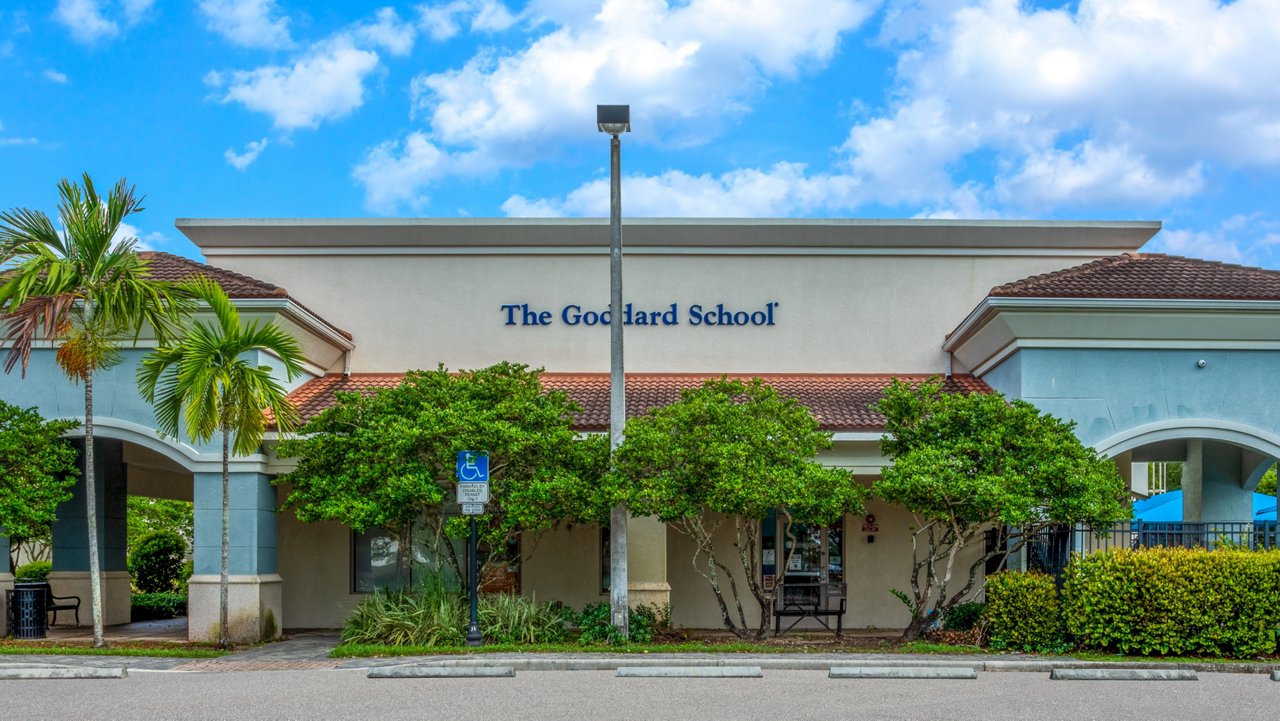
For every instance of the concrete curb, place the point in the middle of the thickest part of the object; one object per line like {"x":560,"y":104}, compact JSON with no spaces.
{"x":442,"y":672}
{"x":904,"y":672}
{"x":792,"y":663}
{"x":689,"y":672}
{"x":1275,"y":675}
{"x":1123,"y":674}
{"x":32,"y":673}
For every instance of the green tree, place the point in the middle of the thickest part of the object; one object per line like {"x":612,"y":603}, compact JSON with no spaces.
{"x":149,"y":515}
{"x":205,"y":384}
{"x":87,"y":291}
{"x":1267,"y":485}
{"x":729,"y":452}
{"x":387,"y":461}
{"x":963,"y":464}
{"x":37,"y":471}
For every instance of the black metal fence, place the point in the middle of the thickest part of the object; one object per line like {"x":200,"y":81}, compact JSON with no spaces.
{"x":1049,"y":549}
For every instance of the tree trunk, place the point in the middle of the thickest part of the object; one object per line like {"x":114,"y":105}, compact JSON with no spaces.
{"x":916,"y":628}
{"x":226,"y":541}
{"x":91,"y":511}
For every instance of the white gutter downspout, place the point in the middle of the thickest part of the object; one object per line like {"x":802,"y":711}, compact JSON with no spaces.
{"x":346,"y":363}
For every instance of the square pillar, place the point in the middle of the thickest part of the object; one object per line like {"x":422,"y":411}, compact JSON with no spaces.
{"x":647,"y":562}
{"x":255,"y":588}
{"x":70,"y":575}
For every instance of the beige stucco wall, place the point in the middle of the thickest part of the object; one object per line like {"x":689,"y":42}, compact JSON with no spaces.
{"x":837,"y":313}
{"x":315,"y":562}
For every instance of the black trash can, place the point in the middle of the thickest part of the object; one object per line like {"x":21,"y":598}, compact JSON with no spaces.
{"x":30,"y":610}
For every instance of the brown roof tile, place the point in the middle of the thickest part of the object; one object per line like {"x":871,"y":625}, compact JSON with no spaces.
{"x":839,"y":402}
{"x":175,"y":269}
{"x":1149,"y":275}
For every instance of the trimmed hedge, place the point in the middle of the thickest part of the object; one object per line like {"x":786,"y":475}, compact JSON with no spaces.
{"x":156,"y":606}
{"x":157,"y":561}
{"x":1175,"y":601}
{"x":1022,"y":610}
{"x":33,"y":572}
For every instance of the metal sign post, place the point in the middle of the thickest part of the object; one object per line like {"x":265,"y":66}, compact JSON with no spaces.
{"x":473,"y":493}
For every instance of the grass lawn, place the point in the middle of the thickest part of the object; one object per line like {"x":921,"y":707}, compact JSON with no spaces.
{"x":137,"y":648}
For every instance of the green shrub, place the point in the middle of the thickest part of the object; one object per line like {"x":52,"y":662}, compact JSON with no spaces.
{"x":1022,"y":610}
{"x":155,"y":606}
{"x":507,"y":618}
{"x":963,"y":617}
{"x":156,"y":562}
{"x":596,"y":623}
{"x":431,"y":616}
{"x":34,"y":571}
{"x":1174,"y":601}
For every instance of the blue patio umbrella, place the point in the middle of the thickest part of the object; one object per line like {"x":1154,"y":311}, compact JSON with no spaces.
{"x":1167,"y":508}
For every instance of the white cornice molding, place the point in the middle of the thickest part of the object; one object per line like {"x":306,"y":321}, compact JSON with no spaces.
{"x":992,"y":306}
{"x":295,"y":312}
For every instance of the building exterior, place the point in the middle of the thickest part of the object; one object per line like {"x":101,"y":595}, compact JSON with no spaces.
{"x":1155,"y":357}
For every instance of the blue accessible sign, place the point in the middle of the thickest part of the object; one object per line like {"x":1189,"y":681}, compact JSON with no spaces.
{"x":473,"y":480}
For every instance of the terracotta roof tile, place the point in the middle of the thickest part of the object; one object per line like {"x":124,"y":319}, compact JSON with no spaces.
{"x":1149,"y":275}
{"x":175,"y":268}
{"x":839,"y":402}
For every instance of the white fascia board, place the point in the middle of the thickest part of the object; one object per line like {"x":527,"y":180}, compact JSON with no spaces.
{"x":300,"y":315}
{"x":992,"y":305}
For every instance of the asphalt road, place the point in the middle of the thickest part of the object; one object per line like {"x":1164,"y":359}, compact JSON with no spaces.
{"x":598,"y":695}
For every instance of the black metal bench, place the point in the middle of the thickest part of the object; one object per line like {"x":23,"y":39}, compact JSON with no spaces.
{"x":59,"y":603}
{"x":818,"y":601}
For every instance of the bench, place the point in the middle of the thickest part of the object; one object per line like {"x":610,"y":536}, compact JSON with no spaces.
{"x":818,"y":601}
{"x":60,"y":603}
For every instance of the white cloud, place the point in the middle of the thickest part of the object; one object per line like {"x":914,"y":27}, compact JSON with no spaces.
{"x":1252,"y":239}
{"x":85,"y":20}
{"x":394,"y":173}
{"x":6,"y":142}
{"x":1096,"y":176}
{"x":90,"y":21}
{"x":688,"y":69}
{"x":146,"y":241}
{"x":248,"y":23}
{"x":54,"y":76}
{"x":442,"y":21}
{"x":242,"y":160}
{"x":1116,"y":101}
{"x":388,"y":32}
{"x":782,"y":190}
{"x":325,"y":83}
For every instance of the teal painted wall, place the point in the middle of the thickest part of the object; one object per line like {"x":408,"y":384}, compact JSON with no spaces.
{"x":1106,"y":391}
{"x":115,"y":392}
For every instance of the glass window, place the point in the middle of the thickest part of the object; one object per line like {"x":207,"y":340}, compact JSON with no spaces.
{"x":380,"y":563}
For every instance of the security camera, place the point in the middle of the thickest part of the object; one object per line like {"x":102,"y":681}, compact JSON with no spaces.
{"x":1200,"y":363}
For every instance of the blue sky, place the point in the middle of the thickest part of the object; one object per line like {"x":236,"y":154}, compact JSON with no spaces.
{"x":1110,"y":109}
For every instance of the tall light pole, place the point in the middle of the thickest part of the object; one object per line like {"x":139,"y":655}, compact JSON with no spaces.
{"x":615,"y":120}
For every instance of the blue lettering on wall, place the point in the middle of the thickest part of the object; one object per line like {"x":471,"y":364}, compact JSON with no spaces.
{"x":719,"y":315}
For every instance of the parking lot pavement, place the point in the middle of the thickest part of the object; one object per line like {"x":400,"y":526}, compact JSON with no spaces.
{"x":793,"y":695}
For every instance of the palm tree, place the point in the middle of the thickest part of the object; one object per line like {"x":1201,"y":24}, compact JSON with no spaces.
{"x":204,"y":384}
{"x":86,"y":291}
